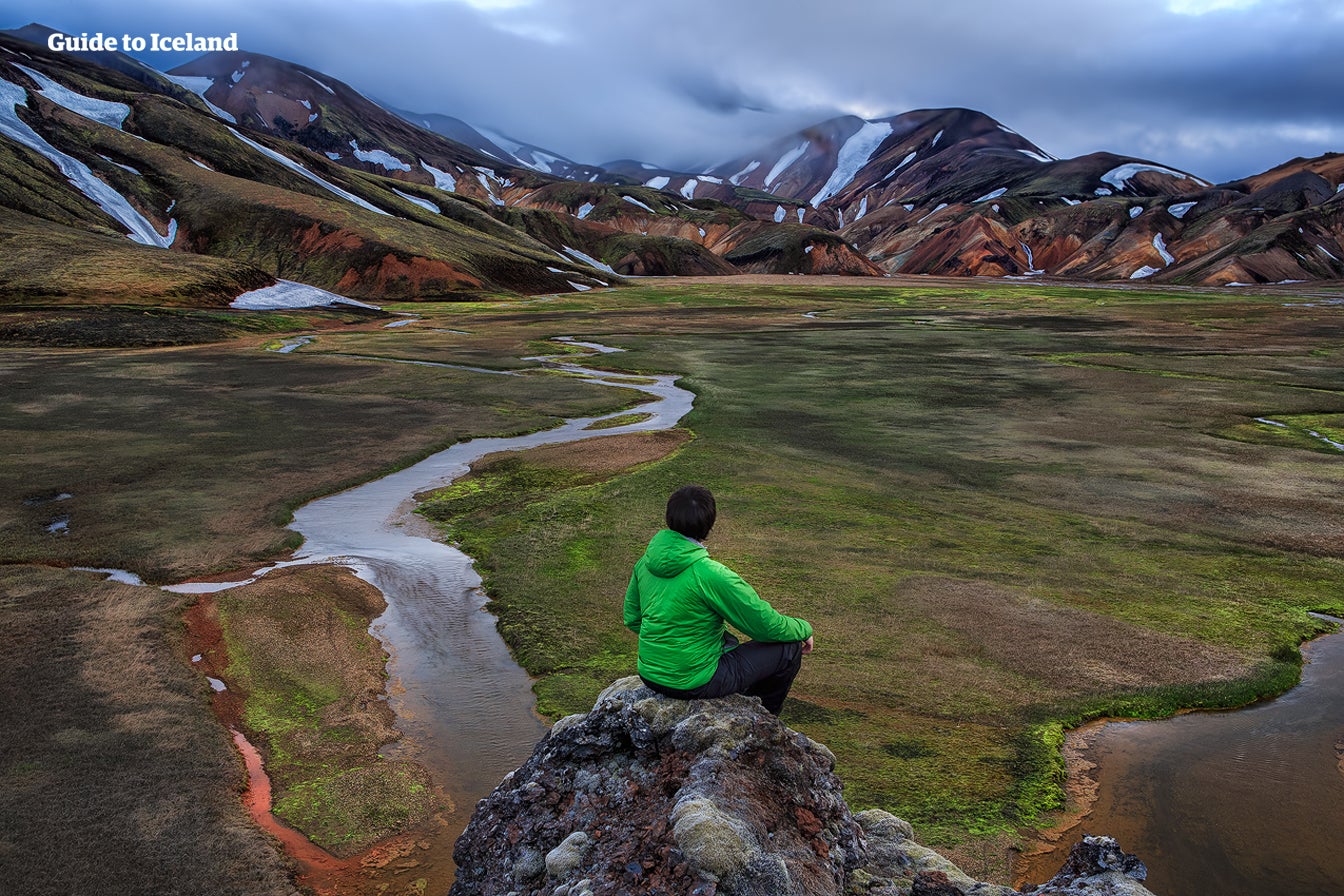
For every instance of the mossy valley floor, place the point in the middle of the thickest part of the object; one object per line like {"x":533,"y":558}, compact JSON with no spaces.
{"x":1005,"y":508}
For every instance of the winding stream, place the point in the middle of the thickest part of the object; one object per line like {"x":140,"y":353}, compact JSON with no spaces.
{"x":464,"y":706}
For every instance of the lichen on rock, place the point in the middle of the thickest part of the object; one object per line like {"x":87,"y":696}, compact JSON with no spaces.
{"x":646,"y":794}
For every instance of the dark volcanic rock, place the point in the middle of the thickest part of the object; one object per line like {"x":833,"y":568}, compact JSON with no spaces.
{"x":645,"y":794}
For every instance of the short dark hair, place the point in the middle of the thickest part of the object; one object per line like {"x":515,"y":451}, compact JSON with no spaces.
{"x":691,"y":511}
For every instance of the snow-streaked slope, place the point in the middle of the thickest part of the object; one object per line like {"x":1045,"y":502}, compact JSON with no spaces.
{"x":102,"y":111}
{"x":305,"y":173}
{"x":199,"y":84}
{"x":80,"y":175}
{"x":853,"y":156}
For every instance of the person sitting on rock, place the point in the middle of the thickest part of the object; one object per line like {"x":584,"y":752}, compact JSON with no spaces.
{"x":678,"y":602}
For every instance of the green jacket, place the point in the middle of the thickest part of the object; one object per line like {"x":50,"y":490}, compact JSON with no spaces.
{"x":678,"y":601}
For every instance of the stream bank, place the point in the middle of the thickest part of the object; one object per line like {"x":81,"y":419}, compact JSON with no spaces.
{"x":1245,"y":802}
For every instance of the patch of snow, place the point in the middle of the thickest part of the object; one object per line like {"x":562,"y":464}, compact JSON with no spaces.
{"x":1102,"y":191}
{"x":1142,"y":272}
{"x":216,"y":684}
{"x":118,"y":164}
{"x":1179,"y":209}
{"x":807,"y":250}
{"x":905,"y":161}
{"x":309,"y":106}
{"x":442,"y":179}
{"x":489,"y":188}
{"x":379,"y":157}
{"x":102,"y":111}
{"x":1161,"y":246}
{"x":688,"y":188}
{"x":784,"y":162}
{"x":76,"y":172}
{"x":710,"y":179}
{"x":658,"y":183}
{"x":856,"y":152}
{"x":199,"y":164}
{"x":995,"y":207}
{"x":318,"y":83}
{"x":993,"y":194}
{"x":1031,"y":260}
{"x":585,"y":209}
{"x":588,"y":260}
{"x":60,"y":526}
{"x":199,"y":84}
{"x":402,"y":323}
{"x":1037,"y":156}
{"x":236,"y":77}
{"x":423,"y":203}
{"x":1136,"y":211}
{"x":578,"y":286}
{"x":334,"y":156}
{"x":941,"y":206}
{"x":702,"y":232}
{"x":647,"y":167}
{"x":288,"y":294}
{"x":863,"y":208}
{"x":909,"y":206}
{"x":632,"y":200}
{"x":1327,"y":252}
{"x":779,"y":214}
{"x":305,"y":173}
{"x":800,"y":215}
{"x":1119,"y":176}
{"x":1068,"y":201}
{"x":936,"y":137}
{"x":312,"y":118}
{"x":1004,"y":127}
{"x":737,"y":178}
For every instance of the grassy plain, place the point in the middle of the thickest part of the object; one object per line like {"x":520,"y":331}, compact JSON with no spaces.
{"x":172,"y":463}
{"x":1004,"y":507}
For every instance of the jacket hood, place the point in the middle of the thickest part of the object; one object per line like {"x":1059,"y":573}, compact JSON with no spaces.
{"x":669,"y":553}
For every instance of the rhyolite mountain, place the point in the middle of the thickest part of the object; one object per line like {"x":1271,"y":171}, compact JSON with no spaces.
{"x":247,"y":168}
{"x":954,"y":192}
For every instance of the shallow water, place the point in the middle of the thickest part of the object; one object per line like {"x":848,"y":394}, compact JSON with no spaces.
{"x":1242,"y":803}
{"x":465,"y":708}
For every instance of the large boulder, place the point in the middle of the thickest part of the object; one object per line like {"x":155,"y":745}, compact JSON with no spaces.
{"x":645,"y":794}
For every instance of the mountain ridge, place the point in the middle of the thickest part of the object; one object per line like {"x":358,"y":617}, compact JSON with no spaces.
{"x":931,"y":191}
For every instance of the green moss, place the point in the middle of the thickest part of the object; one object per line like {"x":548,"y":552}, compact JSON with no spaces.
{"x":349,"y":811}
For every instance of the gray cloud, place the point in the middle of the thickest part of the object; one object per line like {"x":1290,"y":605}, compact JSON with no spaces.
{"x":1224,"y":94}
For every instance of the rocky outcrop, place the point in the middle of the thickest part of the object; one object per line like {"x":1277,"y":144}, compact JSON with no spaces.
{"x":645,"y":794}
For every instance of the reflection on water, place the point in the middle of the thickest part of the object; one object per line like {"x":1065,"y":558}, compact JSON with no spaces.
{"x":465,"y":708}
{"x":1242,"y":803}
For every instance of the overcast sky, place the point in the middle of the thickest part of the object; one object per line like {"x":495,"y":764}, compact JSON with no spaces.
{"x":1220,"y":88}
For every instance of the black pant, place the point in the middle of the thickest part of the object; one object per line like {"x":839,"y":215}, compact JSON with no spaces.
{"x":756,"y":668}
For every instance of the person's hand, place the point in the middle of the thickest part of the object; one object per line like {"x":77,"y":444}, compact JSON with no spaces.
{"x":807,"y":646}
